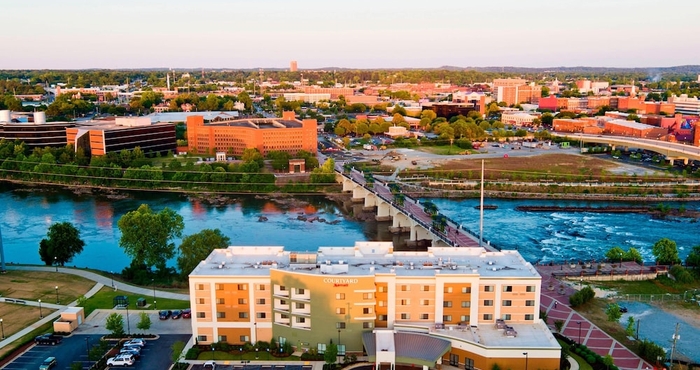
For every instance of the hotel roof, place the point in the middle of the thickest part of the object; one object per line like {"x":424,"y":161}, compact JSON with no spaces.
{"x":365,"y":259}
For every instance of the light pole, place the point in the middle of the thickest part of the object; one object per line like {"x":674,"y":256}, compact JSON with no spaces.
{"x":111,"y":274}
{"x":41,"y":316}
{"x":3,"y":329}
{"x":212,"y":351}
{"x":128,"y":326}
{"x":154,"y":294}
{"x":526,"y":358}
{"x":56,"y":294}
{"x":579,"y":331}
{"x":55,"y":262}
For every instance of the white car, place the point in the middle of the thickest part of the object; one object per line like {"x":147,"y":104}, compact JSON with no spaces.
{"x":121,"y":360}
{"x":135,"y":342}
{"x":209,"y":365}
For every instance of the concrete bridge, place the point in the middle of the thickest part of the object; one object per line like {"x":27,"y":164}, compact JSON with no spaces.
{"x":672,"y":151}
{"x":407,"y":214}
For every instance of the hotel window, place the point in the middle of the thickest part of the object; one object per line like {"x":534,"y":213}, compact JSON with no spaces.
{"x":201,"y":338}
{"x":447,"y":304}
{"x":488,"y":288}
{"x":261,"y":315}
{"x":426,"y":288}
{"x":283,"y":288}
{"x":405,"y":288}
{"x":405,"y":302}
{"x":468,"y":364}
{"x":464,"y":319}
{"x":223,"y":338}
{"x":300,"y":306}
{"x":244,"y":338}
{"x":448,"y":289}
{"x":340,"y":311}
{"x":339,"y":296}
{"x":219,"y":286}
{"x":425,"y":302}
{"x":284,"y":316}
{"x":405,"y":316}
{"x":506,"y":316}
{"x":530,"y":288}
{"x":321,"y":348}
{"x":283,"y":302}
{"x":507,"y":303}
{"x":261,"y":286}
{"x":488,"y":302}
{"x":446,"y":318}
{"x":466,"y":289}
{"x":425,"y":316}
{"x":340,"y":325}
{"x":508,"y":288}
{"x":242,"y":286}
{"x":300,"y":291}
{"x":366,"y":311}
{"x":201,"y":301}
{"x":221,"y":315}
{"x":201,"y":315}
{"x":530,"y":303}
{"x":381,"y":303}
{"x":367,"y":296}
{"x":242,"y":315}
{"x":220,"y":301}
{"x":366,"y":325}
{"x":301,"y":320}
{"x":488,"y":316}
{"x":529,"y":317}
{"x":200,"y":286}
{"x":466,"y":304}
{"x":382,"y":317}
{"x":242,"y":301}
{"x":260,"y":301}
{"x":381,"y":289}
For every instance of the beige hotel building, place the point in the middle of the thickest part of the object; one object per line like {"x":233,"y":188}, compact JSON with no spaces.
{"x":465,"y":307}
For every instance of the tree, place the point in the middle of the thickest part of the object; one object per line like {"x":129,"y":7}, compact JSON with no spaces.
{"x":196,"y":247}
{"x":693,"y":259}
{"x":147,"y":236}
{"x":144,"y":322}
{"x":331,"y":354}
{"x":115,"y":324}
{"x":666,"y":252}
{"x":613,"y":312}
{"x":633,"y":255}
{"x":615,"y":254}
{"x":61,"y":244}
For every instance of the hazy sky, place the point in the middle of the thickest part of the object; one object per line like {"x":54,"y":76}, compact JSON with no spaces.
{"x":75,"y":34}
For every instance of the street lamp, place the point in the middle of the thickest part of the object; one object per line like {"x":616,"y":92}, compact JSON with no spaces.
{"x":256,"y":353}
{"x":56,"y":294}
{"x":3,"y":329}
{"x":526,"y":358}
{"x":55,"y":262}
{"x":111,"y":274}
{"x":579,"y":331}
{"x":41,"y":316}
{"x":128,"y":326}
{"x":212,"y":351}
{"x":154,"y":294}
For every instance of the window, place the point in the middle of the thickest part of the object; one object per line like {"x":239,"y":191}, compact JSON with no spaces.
{"x":261,"y":286}
{"x":299,"y":306}
{"x":447,"y":304}
{"x":366,"y":325}
{"x":530,"y":302}
{"x":219,"y":286}
{"x":381,"y":289}
{"x":366,"y":310}
{"x":530,"y":288}
{"x":425,"y":302}
{"x":405,"y":302}
{"x":221,"y":315}
{"x":466,"y":304}
{"x":529,"y":317}
{"x":200,"y":286}
{"x":242,"y":301}
{"x":201,"y":338}
{"x":339,"y":296}
{"x":464,"y":319}
{"x":201,"y":301}
{"x":446,"y":318}
{"x":245,"y":338}
{"x":466,"y":290}
{"x":507,"y":303}
{"x":506,"y":316}
{"x":321,"y":348}
{"x":488,"y":316}
{"x":242,"y":315}
{"x":426,"y":288}
{"x":242,"y":286}
{"x":405,"y":288}
{"x":220,"y":301}
{"x":405,"y":316}
{"x":488,"y":288}
{"x":340,"y":311}
{"x":260,"y":301}
{"x":424,"y":316}
{"x":283,"y":302}
{"x":340,"y":325}
{"x":488,"y":302}
{"x":448,"y":289}
{"x":454,"y":360}
{"x":300,"y":320}
{"x":507,"y":288}
{"x":223,"y":338}
{"x":367,"y":296}
{"x":300,"y":291}
{"x":468,"y":364}
{"x":284,"y":316}
{"x":382,"y":317}
{"x":201,"y":315}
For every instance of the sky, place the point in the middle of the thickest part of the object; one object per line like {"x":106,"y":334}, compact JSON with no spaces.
{"x":81,"y":34}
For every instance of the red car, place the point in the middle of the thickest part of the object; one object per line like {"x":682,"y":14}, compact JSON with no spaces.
{"x":187,"y":313}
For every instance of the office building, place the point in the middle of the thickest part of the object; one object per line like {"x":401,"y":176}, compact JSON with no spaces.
{"x":685,"y":104}
{"x":293,"y":66}
{"x":125,"y":133}
{"x":465,"y":306}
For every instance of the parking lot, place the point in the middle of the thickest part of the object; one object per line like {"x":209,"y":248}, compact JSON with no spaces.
{"x":230,"y":365}
{"x":95,"y":323}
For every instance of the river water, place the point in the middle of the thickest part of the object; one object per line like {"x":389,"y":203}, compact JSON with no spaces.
{"x":26,"y":215}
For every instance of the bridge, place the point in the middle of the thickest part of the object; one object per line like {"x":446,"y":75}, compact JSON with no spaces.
{"x":406,"y":213}
{"x":672,"y":151}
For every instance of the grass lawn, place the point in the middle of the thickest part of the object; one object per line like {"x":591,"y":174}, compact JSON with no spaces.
{"x":660,"y":285}
{"x":16,"y":317}
{"x":35,"y":285}
{"x":442,"y":149}
{"x":582,"y":364}
{"x":262,"y":356}
{"x":25,"y":339}
{"x":104,"y":299}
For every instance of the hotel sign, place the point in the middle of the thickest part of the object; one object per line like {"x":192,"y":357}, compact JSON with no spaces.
{"x":340,"y":282}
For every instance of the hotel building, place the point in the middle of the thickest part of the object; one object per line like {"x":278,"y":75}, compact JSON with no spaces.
{"x":286,"y":134}
{"x":462,"y":306}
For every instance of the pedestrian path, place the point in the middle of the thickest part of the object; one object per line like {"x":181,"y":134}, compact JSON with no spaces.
{"x":576,"y":327}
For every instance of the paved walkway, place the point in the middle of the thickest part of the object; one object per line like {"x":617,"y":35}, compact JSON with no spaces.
{"x":577,"y":327}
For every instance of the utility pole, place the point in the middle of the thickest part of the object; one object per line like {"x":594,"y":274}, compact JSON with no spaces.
{"x":676,"y":337}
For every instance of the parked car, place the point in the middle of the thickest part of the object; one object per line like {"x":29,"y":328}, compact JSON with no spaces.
{"x":186,"y":313}
{"x":121,"y":360}
{"x":132,"y":348}
{"x":136,"y":341}
{"x":48,"y":339}
{"x":623,"y":309}
{"x":164,"y":315}
{"x":48,"y":363}
{"x":176,"y":314}
{"x":209,"y":365}
{"x":130,"y":351}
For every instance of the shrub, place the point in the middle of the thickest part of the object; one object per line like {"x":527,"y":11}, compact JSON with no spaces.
{"x":192,"y":353}
{"x":681,"y":274}
{"x":581,"y":297}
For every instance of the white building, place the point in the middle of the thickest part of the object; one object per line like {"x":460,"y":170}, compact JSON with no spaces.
{"x":685,"y":105}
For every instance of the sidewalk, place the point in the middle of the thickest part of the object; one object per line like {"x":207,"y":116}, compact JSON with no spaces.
{"x":578,"y":328}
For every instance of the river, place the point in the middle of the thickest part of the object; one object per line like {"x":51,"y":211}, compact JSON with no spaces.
{"x":27,"y":214}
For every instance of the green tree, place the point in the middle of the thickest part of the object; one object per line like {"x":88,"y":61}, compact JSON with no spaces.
{"x":633,"y":255}
{"x":666,"y":252}
{"x":629,"y":329}
{"x":615,"y":254}
{"x":693,"y":259}
{"x":331,"y":354}
{"x":115,"y":324}
{"x":253,"y":155}
{"x":196,"y":247}
{"x":147,"y":236}
{"x":144,"y":322}
{"x":613,"y":312}
{"x":61,"y":244}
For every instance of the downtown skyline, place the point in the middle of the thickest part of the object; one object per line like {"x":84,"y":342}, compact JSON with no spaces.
{"x":78,"y":34}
